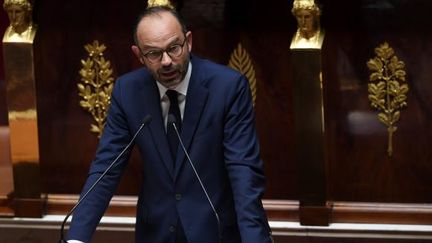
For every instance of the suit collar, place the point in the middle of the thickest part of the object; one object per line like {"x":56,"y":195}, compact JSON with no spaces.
{"x":196,"y":99}
{"x":195,"y":103}
{"x":151,"y":100}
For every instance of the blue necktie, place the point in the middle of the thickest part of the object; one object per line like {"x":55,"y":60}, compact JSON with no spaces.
{"x":174,"y":109}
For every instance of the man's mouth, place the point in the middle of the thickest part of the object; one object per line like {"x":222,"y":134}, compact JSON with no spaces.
{"x":170,"y":74}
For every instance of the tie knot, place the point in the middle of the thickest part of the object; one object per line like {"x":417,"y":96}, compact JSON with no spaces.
{"x":172,"y":96}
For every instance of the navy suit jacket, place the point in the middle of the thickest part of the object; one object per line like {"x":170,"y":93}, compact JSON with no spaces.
{"x":218,"y":131}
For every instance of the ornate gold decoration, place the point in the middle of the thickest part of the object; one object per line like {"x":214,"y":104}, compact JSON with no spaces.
{"x":21,"y":28}
{"x":154,"y":3}
{"x":96,"y":86}
{"x":309,"y":34}
{"x":241,"y":62}
{"x":387,"y":88}
{"x":305,"y":4}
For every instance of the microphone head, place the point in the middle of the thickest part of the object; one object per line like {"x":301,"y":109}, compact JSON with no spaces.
{"x":147,"y":119}
{"x":171,"y":119}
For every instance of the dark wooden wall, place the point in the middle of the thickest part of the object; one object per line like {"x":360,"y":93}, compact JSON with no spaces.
{"x":64,"y":30}
{"x":3,"y":110}
{"x":357,"y":167}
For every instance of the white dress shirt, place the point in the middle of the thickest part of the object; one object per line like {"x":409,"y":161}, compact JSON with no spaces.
{"x":181,"y":89}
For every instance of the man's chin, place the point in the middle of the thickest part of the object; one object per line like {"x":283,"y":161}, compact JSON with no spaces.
{"x":170,"y":83}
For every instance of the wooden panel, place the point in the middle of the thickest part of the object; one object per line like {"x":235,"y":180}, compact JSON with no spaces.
{"x":309,"y":136}
{"x":67,"y":146}
{"x":122,"y":230}
{"x":63,"y":122}
{"x":349,"y":212}
{"x":357,"y":168}
{"x":4,"y":22}
{"x":266,"y":39}
{"x":282,"y":210}
{"x":124,"y":206}
{"x":309,"y":128}
{"x":6,"y":181}
{"x":24,"y":149}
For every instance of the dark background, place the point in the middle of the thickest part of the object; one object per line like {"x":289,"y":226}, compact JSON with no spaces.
{"x":357,"y":167}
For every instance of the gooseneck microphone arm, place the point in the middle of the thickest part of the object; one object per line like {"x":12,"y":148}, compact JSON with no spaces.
{"x":172,"y":120}
{"x":146,"y":120}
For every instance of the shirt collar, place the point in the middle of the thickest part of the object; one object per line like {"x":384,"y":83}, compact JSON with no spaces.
{"x":181,"y":88}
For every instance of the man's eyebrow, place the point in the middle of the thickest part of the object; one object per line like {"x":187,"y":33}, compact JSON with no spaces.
{"x":173,"y":42}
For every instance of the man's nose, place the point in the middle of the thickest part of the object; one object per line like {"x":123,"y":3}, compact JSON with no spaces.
{"x":166,"y":59}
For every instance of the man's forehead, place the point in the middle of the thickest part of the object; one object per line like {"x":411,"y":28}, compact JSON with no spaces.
{"x":158,"y":25}
{"x":161,"y":19}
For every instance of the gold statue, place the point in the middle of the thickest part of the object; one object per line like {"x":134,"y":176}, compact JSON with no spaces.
{"x":21,"y":28}
{"x":154,"y":3}
{"x":309,"y":34}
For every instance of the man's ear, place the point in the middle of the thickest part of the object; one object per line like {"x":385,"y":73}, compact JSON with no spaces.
{"x":189,"y":40}
{"x":137,"y":52}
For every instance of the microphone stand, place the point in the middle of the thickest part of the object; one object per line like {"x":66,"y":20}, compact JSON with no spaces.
{"x":172,"y":120}
{"x":146,"y":120}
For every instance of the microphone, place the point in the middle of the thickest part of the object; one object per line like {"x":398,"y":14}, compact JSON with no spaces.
{"x":147,"y":119}
{"x":172,"y":121}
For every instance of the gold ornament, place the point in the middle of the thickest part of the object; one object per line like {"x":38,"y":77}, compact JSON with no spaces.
{"x":21,"y":28}
{"x":241,"y":62}
{"x":21,"y":3}
{"x":387,"y":88}
{"x":306,"y":5}
{"x":96,"y":86}
{"x":154,"y":3}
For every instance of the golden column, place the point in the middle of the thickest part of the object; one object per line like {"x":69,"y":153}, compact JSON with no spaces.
{"x":21,"y":101}
{"x":309,"y":127}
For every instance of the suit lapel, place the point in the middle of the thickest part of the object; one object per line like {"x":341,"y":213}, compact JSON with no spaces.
{"x":195,"y":103}
{"x":150,"y":95}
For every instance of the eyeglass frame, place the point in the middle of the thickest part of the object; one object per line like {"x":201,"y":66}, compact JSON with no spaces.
{"x":162,"y":51}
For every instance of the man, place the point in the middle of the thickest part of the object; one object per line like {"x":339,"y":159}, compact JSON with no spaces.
{"x":216,"y":120}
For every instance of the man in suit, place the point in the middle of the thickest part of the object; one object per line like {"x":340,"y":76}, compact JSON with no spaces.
{"x":216,"y":120}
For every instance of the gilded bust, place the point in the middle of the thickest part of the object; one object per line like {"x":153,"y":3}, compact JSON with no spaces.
{"x":154,"y":3}
{"x":21,"y":28}
{"x":309,"y":34}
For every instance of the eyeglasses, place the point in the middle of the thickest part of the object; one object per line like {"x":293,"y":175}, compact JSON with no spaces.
{"x":173,"y":51}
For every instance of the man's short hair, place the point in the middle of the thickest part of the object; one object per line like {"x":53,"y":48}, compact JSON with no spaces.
{"x":156,"y":11}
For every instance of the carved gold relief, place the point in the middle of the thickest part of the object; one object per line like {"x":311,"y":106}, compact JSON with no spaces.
{"x":154,"y":3}
{"x":96,"y":86}
{"x":309,"y":34}
{"x":387,"y":88}
{"x":241,"y":62}
{"x":21,"y":28}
